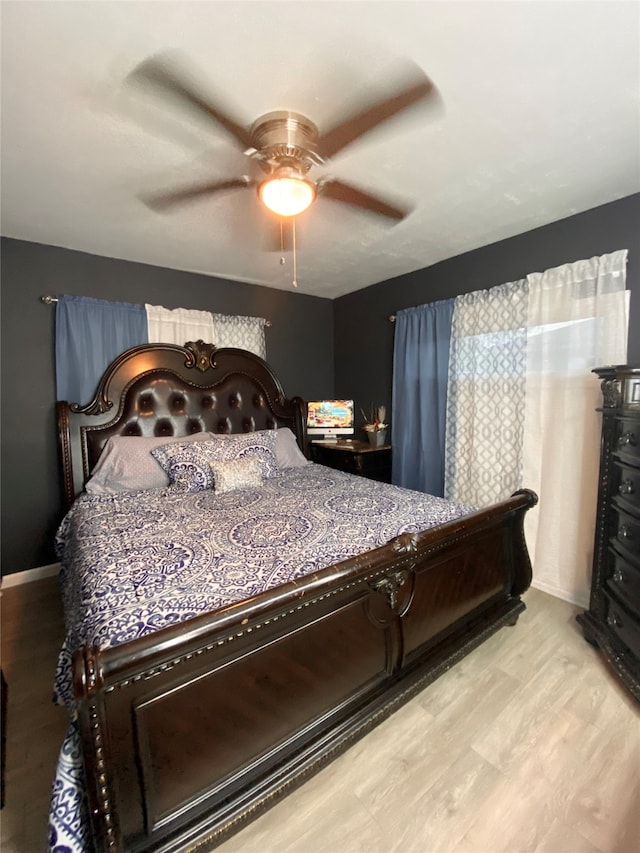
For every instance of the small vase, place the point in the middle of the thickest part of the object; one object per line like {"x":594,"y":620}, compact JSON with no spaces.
{"x":377,"y":437}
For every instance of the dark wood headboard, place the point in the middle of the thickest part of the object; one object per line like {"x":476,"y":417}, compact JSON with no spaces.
{"x":164,"y":389}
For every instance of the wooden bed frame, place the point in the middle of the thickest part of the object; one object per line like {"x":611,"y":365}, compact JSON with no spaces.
{"x":189,"y":733}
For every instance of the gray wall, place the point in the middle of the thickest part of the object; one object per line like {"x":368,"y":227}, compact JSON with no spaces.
{"x":31,"y":507}
{"x":357,"y":324}
{"x":364,"y":336}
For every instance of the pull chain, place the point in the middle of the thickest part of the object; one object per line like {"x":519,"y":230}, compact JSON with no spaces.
{"x":282,"y":258}
{"x":295,"y":269}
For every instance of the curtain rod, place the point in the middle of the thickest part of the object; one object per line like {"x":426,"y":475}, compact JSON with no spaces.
{"x":49,"y":300}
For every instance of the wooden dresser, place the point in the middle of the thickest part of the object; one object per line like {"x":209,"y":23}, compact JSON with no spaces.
{"x":354,"y":457}
{"x":613,"y":620}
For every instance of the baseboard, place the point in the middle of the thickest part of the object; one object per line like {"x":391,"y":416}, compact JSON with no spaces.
{"x":580,"y":600}
{"x":37,"y":574}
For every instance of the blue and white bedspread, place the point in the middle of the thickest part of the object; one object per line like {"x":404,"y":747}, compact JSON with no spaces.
{"x":136,"y":562}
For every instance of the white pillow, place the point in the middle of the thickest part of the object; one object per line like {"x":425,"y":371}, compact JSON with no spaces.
{"x":288,"y":452}
{"x":126,"y":463}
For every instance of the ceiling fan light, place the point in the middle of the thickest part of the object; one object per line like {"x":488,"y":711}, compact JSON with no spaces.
{"x":287,"y":196}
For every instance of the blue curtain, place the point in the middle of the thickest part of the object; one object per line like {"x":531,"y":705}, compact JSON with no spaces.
{"x":90,"y":333}
{"x":420,"y":373}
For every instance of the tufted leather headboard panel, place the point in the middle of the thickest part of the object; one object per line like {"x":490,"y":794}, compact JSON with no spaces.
{"x":163,"y":389}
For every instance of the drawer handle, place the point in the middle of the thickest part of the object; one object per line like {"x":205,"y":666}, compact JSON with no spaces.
{"x":624,"y":532}
{"x":626,"y":487}
{"x":627,"y":439}
{"x":614,"y":621}
{"x":619,"y":576}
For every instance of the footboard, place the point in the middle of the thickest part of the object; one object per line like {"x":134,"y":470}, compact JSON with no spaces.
{"x":196,"y":729}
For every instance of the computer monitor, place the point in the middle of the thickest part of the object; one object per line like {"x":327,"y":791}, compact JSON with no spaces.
{"x":328,"y":419}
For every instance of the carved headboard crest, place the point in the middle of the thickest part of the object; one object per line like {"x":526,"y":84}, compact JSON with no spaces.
{"x":202,"y":354}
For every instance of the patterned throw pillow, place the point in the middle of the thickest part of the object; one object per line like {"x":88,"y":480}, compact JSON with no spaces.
{"x":261,"y":444}
{"x":237,"y":474}
{"x":286,"y":449}
{"x":188,"y":466}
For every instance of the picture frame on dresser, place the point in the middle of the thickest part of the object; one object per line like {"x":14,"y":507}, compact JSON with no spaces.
{"x":612,"y":622}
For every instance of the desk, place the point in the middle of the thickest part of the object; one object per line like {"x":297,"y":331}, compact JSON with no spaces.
{"x":354,"y":457}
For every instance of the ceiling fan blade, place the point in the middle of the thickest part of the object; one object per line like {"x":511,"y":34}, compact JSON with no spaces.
{"x":163,"y":201}
{"x":166,"y":76}
{"x":415,"y":88}
{"x":339,"y":191}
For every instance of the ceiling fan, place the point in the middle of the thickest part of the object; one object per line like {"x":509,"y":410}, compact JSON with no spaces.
{"x":285,"y":144}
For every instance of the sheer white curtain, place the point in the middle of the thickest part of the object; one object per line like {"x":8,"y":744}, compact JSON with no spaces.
{"x":577,"y":320}
{"x":178,"y":325}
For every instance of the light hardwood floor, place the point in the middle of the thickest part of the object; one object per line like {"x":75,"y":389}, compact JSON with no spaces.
{"x":529,"y":744}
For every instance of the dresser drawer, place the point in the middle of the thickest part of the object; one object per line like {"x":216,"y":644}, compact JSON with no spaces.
{"x":627,"y":532}
{"x":624,"y":580}
{"x":627,"y":440}
{"x":625,"y":626}
{"x":626,"y":487}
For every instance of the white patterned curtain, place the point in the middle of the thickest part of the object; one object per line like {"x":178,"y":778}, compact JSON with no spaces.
{"x":577,"y":320}
{"x":178,"y":325}
{"x":485,"y":401}
{"x":242,"y":332}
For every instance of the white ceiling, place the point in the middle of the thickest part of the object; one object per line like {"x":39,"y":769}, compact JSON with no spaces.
{"x":541,"y":120}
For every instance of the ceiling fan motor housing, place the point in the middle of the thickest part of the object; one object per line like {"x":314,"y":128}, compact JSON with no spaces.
{"x":285,"y":139}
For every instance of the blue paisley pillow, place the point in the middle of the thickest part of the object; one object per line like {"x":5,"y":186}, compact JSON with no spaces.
{"x":188,"y":466}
